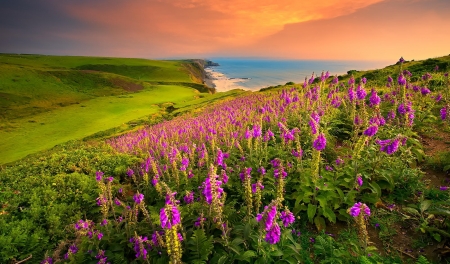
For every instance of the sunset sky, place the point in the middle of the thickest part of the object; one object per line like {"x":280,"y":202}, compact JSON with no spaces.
{"x":291,"y":29}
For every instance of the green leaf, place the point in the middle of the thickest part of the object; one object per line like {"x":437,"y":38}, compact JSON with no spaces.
{"x":411,"y":210}
{"x":436,"y":236}
{"x":320,"y":223}
{"x":446,"y":168}
{"x":200,"y":246}
{"x":322,"y":200}
{"x":247,"y":255}
{"x":222,"y":260}
{"x":328,"y":213}
{"x":311,"y":211}
{"x":424,"y":205}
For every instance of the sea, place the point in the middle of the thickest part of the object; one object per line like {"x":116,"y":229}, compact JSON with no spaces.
{"x":254,"y":74}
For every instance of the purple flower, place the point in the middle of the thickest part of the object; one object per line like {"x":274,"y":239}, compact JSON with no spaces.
{"x":99,"y":236}
{"x":99,"y":175}
{"x":374,"y":98}
{"x":287,"y":218}
{"x":443,"y":113}
{"x":355,"y":210}
{"x":351,"y":94}
{"x":328,"y":168}
{"x":257,"y":186}
{"x":401,"y":60}
{"x":402,"y":109}
{"x":357,"y":121}
{"x":335,"y":80}
{"x":371,"y":131}
{"x":110,"y":179}
{"x":389,"y":146}
{"x":47,"y":260}
{"x":425,"y":91}
{"x":361,"y":93}
{"x":273,"y":234}
{"x":443,"y":188}
{"x":220,"y":157}
{"x":401,"y":80}
{"x":104,"y":222}
{"x":427,"y":76}
{"x":389,"y":79}
{"x":138,"y":198}
{"x":320,"y":143}
{"x":189,"y":197}
{"x":184,"y":164}
{"x":438,"y":98}
{"x":139,"y":247}
{"x":169,"y":216}
{"x":256,"y":131}
{"x":339,"y":161}
{"x":359,"y":180}
{"x":130,"y":172}
{"x":72,"y":250}
{"x":262,"y":170}
{"x":364,"y":80}
{"x":101,"y":257}
{"x":199,"y":221}
{"x":351,"y":80}
{"x":296,"y":153}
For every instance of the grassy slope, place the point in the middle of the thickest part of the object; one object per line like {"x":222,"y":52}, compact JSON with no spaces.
{"x":48,"y":100}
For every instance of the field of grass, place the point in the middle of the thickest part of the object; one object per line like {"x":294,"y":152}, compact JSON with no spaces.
{"x":48,"y":100}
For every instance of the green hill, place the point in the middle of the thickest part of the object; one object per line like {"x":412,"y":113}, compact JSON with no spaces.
{"x":48,"y":100}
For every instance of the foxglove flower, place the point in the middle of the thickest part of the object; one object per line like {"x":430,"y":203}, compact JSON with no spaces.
{"x":361,"y":93}
{"x":401,"y":79}
{"x":359,"y":180}
{"x":257,"y":186}
{"x":47,"y":260}
{"x":371,"y":131}
{"x":389,"y":79}
{"x":72,"y":250}
{"x":138,"y":198}
{"x":99,"y":175}
{"x":139,"y":248}
{"x":101,"y":257}
{"x":425,"y":91}
{"x":320,"y":143}
{"x":427,"y":76}
{"x":443,"y":113}
{"x":356,"y":209}
{"x":389,"y":146}
{"x":374,"y":98}
{"x":351,"y":80}
{"x":189,"y":197}
{"x":287,"y":218}
{"x":273,"y":234}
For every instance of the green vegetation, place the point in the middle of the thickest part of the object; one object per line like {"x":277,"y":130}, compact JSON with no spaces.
{"x":165,"y":172}
{"x":48,"y":100}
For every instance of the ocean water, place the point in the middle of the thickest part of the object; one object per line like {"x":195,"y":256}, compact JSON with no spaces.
{"x":264,"y":72}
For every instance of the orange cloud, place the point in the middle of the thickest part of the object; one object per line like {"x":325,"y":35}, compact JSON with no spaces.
{"x":194,"y":26}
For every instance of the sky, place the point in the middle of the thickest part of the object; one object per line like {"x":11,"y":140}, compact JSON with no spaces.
{"x":285,"y":29}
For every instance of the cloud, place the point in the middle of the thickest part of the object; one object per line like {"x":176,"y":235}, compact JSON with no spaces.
{"x":414,"y":29}
{"x":324,"y":29}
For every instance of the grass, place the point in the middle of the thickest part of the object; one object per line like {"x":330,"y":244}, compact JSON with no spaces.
{"x":49,"y":100}
{"x":45,"y":130}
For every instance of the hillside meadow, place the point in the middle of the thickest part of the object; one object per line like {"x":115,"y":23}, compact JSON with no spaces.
{"x":48,"y":100}
{"x":338,"y":169}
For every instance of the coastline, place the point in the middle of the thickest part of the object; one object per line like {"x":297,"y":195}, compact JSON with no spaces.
{"x":220,"y":82}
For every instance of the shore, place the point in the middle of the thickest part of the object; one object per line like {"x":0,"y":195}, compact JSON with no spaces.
{"x":221,"y":82}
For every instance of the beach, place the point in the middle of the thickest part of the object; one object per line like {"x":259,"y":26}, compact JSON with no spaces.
{"x":221,"y":82}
